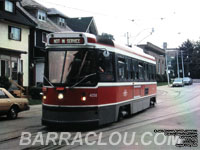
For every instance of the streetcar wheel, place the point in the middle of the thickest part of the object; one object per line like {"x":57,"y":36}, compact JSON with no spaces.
{"x":152,"y":103}
{"x":120,"y":115}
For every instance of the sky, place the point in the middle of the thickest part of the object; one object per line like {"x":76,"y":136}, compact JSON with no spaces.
{"x":155,"y":21}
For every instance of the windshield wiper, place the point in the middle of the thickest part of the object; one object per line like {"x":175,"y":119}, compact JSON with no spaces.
{"x":48,"y":80}
{"x":85,"y":77}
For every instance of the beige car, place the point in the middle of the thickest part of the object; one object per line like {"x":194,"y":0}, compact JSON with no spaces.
{"x":11,"y":106}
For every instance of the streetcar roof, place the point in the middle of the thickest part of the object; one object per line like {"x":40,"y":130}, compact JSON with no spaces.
{"x":102,"y":43}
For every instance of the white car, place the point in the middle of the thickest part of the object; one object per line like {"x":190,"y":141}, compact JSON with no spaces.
{"x":178,"y":82}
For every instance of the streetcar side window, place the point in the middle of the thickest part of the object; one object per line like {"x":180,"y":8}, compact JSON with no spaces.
{"x":154,"y":72}
{"x":105,"y":67}
{"x":129,"y":70}
{"x":146,"y":72}
{"x":150,"y":72}
{"x":141,"y":70}
{"x":135,"y":74}
{"x":136,"y":70}
{"x":121,"y":63}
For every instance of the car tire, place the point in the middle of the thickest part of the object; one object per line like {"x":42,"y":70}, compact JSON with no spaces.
{"x":13,"y":113}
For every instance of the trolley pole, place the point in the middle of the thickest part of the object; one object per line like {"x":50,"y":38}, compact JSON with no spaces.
{"x":127,"y":37}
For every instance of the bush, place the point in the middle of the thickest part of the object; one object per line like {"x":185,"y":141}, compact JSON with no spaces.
{"x":4,"y":82}
{"x":161,"y":78}
{"x":35,"y":92}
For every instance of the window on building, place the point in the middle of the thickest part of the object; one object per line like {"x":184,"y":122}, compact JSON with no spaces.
{"x":14,"y":68}
{"x":61,"y":22}
{"x":5,"y":68}
{"x":42,"y":15}
{"x":9,"y":6}
{"x":44,"y":37}
{"x":14,"y":33}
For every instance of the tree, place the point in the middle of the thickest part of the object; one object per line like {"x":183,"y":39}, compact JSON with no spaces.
{"x":108,"y":36}
{"x":4,"y":82}
{"x":191,"y":58}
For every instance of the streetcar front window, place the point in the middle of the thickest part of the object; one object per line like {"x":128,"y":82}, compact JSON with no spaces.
{"x":71,"y":67}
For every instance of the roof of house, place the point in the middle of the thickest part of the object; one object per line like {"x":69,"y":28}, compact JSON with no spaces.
{"x":80,"y":24}
{"x":47,"y":25}
{"x":31,"y":4}
{"x":53,"y":11}
{"x":18,"y":17}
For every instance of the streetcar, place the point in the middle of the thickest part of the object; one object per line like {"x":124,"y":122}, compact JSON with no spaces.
{"x":90,"y":79}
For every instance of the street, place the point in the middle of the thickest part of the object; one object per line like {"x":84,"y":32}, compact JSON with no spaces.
{"x":176,"y":109}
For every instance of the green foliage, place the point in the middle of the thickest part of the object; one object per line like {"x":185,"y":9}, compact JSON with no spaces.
{"x":108,"y":36}
{"x":161,"y":78}
{"x":4,"y":82}
{"x":34,"y":92}
{"x":34,"y":101}
{"x":191,"y":58}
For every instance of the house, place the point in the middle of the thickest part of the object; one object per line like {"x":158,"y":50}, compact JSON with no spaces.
{"x":15,"y":28}
{"x":82,"y":24}
{"x":58,"y":18}
{"x":39,"y":14}
{"x":156,"y":52}
{"x":48,"y":21}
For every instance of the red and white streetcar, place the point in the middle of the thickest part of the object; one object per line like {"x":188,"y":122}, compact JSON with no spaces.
{"x":91,"y":79}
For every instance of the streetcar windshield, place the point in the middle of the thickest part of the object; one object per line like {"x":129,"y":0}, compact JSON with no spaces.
{"x":71,"y":66}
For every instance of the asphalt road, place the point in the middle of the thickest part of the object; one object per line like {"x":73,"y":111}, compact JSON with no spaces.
{"x":177,"y":110}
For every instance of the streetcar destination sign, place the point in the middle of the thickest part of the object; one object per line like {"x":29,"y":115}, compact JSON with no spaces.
{"x":66,"y":40}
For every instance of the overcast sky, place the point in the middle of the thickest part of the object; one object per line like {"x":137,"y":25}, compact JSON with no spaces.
{"x":173,"y":21}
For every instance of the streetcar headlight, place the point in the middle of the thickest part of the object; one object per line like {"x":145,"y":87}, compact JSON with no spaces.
{"x":60,"y":96}
{"x":83,"y":98}
{"x":44,"y":97}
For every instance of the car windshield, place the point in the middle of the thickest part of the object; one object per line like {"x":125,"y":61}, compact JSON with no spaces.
{"x":71,"y":66}
{"x":186,"y":79}
{"x":178,"y":80}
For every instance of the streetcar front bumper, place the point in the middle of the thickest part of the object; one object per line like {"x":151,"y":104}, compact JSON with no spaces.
{"x":57,"y":115}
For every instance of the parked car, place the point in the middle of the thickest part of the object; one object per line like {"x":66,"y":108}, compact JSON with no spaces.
{"x":178,"y":82}
{"x":187,"y":81}
{"x":11,"y":106}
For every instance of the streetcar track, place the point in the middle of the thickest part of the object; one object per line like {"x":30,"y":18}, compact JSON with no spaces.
{"x":102,"y":129}
{"x":18,"y":136}
{"x":179,"y":98}
{"x":174,"y":97}
{"x":20,"y":130}
{"x":134,"y":123}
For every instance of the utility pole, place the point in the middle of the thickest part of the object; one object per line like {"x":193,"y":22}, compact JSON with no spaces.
{"x":178,"y":66}
{"x":167,"y":71}
{"x":182,"y":64}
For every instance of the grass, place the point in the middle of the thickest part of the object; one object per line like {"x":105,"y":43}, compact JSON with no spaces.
{"x":162,"y":83}
{"x":34,"y":101}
